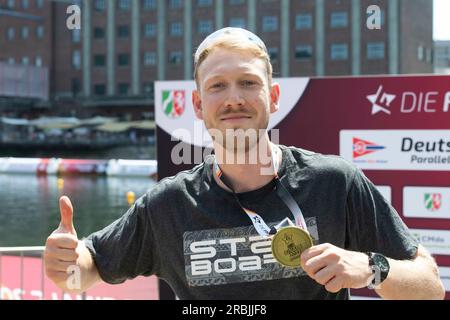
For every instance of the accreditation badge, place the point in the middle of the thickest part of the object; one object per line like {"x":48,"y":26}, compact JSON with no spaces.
{"x":289,"y":243}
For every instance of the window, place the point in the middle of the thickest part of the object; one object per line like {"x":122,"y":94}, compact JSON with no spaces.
{"x":11,"y":4}
{"x":38,"y":61}
{"x":236,"y":2}
{"x":176,"y":29}
{"x":76,"y":86}
{"x":420,"y":53}
{"x":99,"y":5}
{"x":99,"y":60}
{"x":99,"y":33}
{"x":25,"y":4}
{"x":99,"y":89}
{"x":237,"y":22}
{"x":375,"y":50}
{"x":25,"y":61}
{"x":149,"y":4}
{"x":148,"y":88}
{"x":10,"y":34}
{"x":303,"y":52}
{"x":204,"y":3}
{"x":175,"y":4}
{"x":149,"y":30}
{"x":270,"y":23}
{"x":76,"y":35}
{"x":273,"y":54}
{"x":205,"y":26}
{"x":429,"y":54}
{"x":123,"y":32}
{"x":76,"y":60}
{"x":11,"y":61}
{"x":150,"y":59}
{"x":40,"y":32}
{"x":339,"y":51}
{"x":303,"y":21}
{"x":123,"y":59}
{"x":124,"y":5}
{"x":25,"y":32}
{"x":123,"y":89}
{"x":339,"y":19}
{"x":175,"y":57}
{"x":40,"y":3}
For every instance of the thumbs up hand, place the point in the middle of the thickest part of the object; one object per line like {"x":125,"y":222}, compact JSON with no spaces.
{"x":62,"y":247}
{"x":66,"y":210}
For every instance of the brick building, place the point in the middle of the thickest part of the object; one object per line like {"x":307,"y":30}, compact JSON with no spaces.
{"x":109,"y":66}
{"x":442,"y":57}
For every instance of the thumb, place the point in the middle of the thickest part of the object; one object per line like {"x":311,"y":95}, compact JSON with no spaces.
{"x":66,"y":209}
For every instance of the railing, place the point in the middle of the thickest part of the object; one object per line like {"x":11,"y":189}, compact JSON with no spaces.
{"x":22,"y":277}
{"x":22,"y":251}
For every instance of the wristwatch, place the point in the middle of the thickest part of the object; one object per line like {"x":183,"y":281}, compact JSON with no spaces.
{"x":380,"y":268}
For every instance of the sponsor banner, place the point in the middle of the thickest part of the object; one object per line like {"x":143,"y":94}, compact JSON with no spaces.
{"x":444,"y":273}
{"x":425,"y":150}
{"x":32,"y":284}
{"x":386,"y":191}
{"x":405,"y":118}
{"x":426,"y":202}
{"x":436,"y":241}
{"x":394,"y":100}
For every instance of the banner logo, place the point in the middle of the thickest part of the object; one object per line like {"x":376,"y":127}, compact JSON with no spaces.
{"x":173,"y":103}
{"x":381,"y":101}
{"x":362,"y":147}
{"x":433,"y":201}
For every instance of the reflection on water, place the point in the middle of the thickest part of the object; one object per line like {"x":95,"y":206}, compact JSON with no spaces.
{"x":29,"y":209}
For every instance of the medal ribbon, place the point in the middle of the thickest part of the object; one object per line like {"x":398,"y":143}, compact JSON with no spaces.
{"x":258,"y":222}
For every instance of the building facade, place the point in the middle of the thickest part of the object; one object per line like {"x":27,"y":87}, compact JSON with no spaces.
{"x":442,"y":57}
{"x":123,"y":46}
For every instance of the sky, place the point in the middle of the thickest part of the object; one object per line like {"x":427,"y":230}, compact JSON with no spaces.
{"x":441,"y":30}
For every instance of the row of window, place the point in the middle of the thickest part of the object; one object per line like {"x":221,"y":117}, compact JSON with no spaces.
{"x":123,"y":88}
{"x":269,"y":24}
{"x":375,"y":50}
{"x":24,"y":32}
{"x":26,"y":61}
{"x":149,"y":30}
{"x":24,"y":4}
{"x":125,"y":5}
{"x":338,"y":51}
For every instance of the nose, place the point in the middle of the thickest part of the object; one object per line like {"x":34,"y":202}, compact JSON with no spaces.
{"x":234,"y":98}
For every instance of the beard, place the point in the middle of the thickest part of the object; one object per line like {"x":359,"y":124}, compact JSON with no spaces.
{"x":240,"y":144}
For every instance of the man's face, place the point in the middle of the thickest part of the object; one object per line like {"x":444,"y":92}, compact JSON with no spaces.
{"x":234,"y":93}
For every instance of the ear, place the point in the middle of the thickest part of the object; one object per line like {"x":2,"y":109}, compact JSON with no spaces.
{"x":274,"y":97}
{"x":197,"y":103}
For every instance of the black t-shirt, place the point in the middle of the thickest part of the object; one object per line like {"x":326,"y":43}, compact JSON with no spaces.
{"x":192,"y":233}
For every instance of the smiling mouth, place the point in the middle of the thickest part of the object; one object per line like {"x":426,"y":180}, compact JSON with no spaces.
{"x":235,"y":118}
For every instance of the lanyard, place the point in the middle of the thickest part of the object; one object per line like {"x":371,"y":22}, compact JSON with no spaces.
{"x":258,"y":222}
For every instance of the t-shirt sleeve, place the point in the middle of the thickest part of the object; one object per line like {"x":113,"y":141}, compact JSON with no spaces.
{"x":373,"y":224}
{"x":124,"y":249}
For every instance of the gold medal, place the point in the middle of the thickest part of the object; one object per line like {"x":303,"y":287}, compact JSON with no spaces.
{"x":288,"y":244}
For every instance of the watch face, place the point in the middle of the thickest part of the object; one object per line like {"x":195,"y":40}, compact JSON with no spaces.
{"x":381,"y":262}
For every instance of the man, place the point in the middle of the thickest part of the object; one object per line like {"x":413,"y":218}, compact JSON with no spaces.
{"x":208,"y":231}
